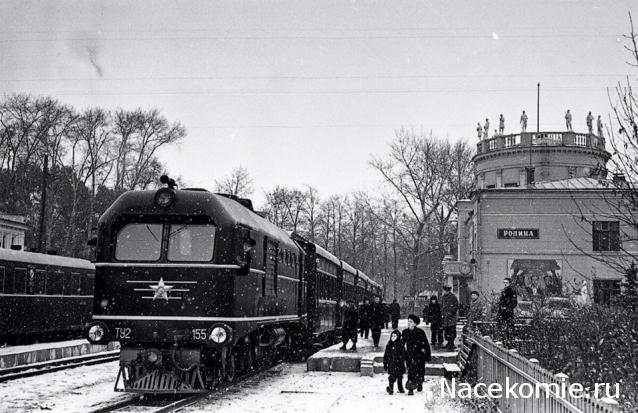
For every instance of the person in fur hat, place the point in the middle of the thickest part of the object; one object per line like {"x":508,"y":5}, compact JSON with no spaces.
{"x":394,"y":362}
{"x":417,"y":351}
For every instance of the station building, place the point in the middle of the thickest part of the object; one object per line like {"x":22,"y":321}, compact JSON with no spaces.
{"x":543,"y":213}
{"x":13,"y":229}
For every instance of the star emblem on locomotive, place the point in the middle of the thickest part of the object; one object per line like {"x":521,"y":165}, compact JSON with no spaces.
{"x":161,"y":290}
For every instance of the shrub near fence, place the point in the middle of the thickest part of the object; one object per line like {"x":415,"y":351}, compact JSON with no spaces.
{"x":594,"y":344}
{"x":493,"y":363}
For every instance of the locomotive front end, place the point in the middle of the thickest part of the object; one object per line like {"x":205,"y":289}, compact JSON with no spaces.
{"x":166,"y":262}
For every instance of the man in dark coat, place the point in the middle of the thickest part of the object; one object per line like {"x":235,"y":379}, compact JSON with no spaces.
{"x":449,"y":310}
{"x":417,"y":352}
{"x":350,"y":324}
{"x":476,"y":311}
{"x":395,"y":313}
{"x":432,"y":316}
{"x":394,"y":361}
{"x":507,"y":302}
{"x":376,"y":320}
{"x":364,"y":318}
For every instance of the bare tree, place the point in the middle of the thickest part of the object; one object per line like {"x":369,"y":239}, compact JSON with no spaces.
{"x":139,"y":134}
{"x":417,"y":169}
{"x":238,"y":183}
{"x":284,"y":207}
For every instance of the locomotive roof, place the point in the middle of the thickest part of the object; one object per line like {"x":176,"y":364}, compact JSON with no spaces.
{"x":44,"y":259}
{"x":225,"y":211}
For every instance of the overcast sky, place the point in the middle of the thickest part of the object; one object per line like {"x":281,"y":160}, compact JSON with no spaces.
{"x":305,"y":92}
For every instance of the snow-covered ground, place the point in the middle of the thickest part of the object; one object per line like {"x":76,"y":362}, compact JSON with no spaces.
{"x":291,"y":389}
{"x":285,"y":388}
{"x":74,"y":390}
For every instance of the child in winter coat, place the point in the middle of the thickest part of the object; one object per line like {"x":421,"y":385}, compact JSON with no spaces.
{"x":394,"y":362}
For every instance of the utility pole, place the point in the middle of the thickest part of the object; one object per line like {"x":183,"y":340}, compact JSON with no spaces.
{"x":538,"y":104}
{"x":43,"y":197}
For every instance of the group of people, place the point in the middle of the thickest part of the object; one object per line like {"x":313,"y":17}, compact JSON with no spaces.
{"x":408,"y":351}
{"x":483,"y":131}
{"x":368,"y":318}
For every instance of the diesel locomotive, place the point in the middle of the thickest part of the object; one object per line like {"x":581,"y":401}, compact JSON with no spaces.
{"x":198,"y":288}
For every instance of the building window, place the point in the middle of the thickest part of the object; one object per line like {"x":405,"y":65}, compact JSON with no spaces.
{"x":605,"y":290}
{"x":606,"y":236}
{"x":530,"y":175}
{"x":511,"y":185}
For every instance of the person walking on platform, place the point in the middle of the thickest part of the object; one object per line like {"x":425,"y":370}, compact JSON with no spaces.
{"x":395,"y":313}
{"x":507,"y":302}
{"x":501,"y":124}
{"x":386,"y":314}
{"x":524,"y":122}
{"x":590,"y":122}
{"x":449,"y":310}
{"x":350,"y":324}
{"x":432,"y":316}
{"x":394,"y":362}
{"x":364,"y":318}
{"x":476,"y":311}
{"x":568,"y":120}
{"x":417,"y":353}
{"x":376,"y":320}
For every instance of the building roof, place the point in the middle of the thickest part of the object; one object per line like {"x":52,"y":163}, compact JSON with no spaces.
{"x":575,"y":183}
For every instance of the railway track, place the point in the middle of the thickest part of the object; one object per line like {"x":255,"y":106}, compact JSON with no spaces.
{"x":45,"y":367}
{"x":175,"y":403}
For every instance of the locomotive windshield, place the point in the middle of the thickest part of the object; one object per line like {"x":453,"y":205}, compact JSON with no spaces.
{"x":191,"y":242}
{"x":186,"y":242}
{"x":139,"y":242}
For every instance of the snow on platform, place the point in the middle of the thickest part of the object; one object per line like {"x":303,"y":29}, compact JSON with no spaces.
{"x":294,"y":390}
{"x":334,"y":359}
{"x":13,"y":356}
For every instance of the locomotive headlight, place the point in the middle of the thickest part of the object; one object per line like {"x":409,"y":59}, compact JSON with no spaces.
{"x":164,"y":197}
{"x":153,"y":356}
{"x":96,"y":333}
{"x":218,"y":335}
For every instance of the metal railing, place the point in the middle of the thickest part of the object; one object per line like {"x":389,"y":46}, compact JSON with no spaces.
{"x":496,"y":364}
{"x":527,"y":139}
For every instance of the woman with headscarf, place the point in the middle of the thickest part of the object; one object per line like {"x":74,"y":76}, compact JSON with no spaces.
{"x":417,"y":352}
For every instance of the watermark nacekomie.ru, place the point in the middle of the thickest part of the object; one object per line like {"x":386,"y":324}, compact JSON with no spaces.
{"x":514,"y":390}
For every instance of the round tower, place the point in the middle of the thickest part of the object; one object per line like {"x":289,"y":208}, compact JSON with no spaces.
{"x":528,"y":157}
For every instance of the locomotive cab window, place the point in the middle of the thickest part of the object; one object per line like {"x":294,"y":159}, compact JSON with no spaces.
{"x":139,"y":242}
{"x":191,"y":242}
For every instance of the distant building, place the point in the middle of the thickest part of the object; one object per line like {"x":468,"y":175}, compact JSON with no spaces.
{"x":13,"y":229}
{"x":540,"y":213}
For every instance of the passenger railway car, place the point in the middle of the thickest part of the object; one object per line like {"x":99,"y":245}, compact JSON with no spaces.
{"x":43,"y":296}
{"x":197,"y":287}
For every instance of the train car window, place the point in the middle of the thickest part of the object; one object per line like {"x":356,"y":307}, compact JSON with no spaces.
{"x":139,"y":242}
{"x":40,"y":282}
{"x":2,"y":280}
{"x":74,"y":288}
{"x":191,"y":242}
{"x":20,"y":282}
{"x":84,"y":285}
{"x":91,"y":282}
{"x":55,"y":283}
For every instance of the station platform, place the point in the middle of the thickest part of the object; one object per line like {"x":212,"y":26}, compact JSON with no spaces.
{"x":14,"y":356}
{"x":368,"y":361}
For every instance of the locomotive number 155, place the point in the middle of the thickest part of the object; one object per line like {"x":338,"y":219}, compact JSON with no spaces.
{"x":199,"y":334}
